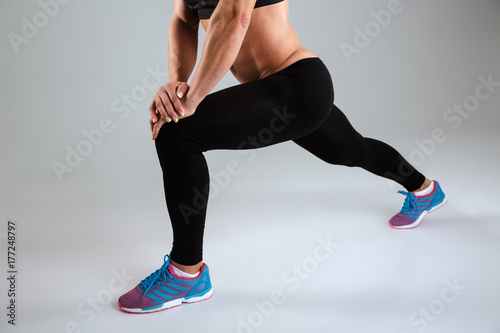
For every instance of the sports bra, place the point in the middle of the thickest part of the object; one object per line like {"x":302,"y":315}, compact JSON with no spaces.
{"x":205,"y":8}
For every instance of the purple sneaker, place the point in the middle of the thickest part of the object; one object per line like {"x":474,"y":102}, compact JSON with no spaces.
{"x":163,"y":290}
{"x":415,"y":208}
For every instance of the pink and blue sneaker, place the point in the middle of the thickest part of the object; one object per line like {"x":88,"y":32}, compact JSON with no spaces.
{"x":416,"y":207}
{"x":163,"y":290}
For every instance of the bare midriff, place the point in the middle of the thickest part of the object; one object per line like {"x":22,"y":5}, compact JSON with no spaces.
{"x":270,"y":44}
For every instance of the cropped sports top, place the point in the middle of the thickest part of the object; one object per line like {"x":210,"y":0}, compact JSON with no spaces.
{"x":205,"y":8}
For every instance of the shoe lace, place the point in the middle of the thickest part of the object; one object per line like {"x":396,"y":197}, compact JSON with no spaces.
{"x":156,"y":277}
{"x":409,"y":204}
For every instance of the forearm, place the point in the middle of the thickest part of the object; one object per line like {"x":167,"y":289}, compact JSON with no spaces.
{"x":222,"y":43}
{"x":182,"y":50}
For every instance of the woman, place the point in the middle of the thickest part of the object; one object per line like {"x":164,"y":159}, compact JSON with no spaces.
{"x":285,"y":90}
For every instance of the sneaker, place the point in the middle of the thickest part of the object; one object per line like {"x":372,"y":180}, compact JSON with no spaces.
{"x":415,"y":208}
{"x":163,"y":290}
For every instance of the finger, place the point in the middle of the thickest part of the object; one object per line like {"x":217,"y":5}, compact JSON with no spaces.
{"x":182,"y":89}
{"x":152,"y":111}
{"x":171,"y":109}
{"x":162,"y":104}
{"x":156,"y":128}
{"x":179,"y":108}
{"x":172,"y":112}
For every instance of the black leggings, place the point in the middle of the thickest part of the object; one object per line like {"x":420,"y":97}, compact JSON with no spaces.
{"x":293,"y":104}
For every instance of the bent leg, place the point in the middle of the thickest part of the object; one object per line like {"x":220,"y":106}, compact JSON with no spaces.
{"x":278,"y":108}
{"x":337,"y":142}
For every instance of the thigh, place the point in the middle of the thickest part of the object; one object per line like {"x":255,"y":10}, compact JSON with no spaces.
{"x":335,"y":141}
{"x":253,"y":115}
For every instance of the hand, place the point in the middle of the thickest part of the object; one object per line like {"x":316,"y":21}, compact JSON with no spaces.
{"x":167,"y":102}
{"x":181,"y":105}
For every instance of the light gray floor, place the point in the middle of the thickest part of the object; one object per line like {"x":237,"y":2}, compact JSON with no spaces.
{"x":376,"y":280}
{"x":84,"y":240}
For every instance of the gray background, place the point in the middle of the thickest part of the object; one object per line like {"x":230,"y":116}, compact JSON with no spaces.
{"x":108,"y":214}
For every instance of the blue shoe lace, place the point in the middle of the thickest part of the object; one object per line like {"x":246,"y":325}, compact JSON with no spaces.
{"x":409,"y":204}
{"x":156,"y":277}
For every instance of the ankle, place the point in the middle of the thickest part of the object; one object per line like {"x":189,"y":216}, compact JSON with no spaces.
{"x":424,"y":186}
{"x":190,"y":269}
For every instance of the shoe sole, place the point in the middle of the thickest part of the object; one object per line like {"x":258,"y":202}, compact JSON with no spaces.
{"x":169,"y":305}
{"x":424,"y":213}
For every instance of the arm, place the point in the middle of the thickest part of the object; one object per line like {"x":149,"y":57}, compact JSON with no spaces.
{"x":225,"y":34}
{"x":182,"y":52}
{"x":182,"y":42}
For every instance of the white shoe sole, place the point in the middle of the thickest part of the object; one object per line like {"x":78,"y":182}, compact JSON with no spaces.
{"x":417,"y":222}
{"x":172,"y":304}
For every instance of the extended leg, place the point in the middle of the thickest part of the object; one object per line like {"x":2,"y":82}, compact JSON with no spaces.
{"x":337,"y":142}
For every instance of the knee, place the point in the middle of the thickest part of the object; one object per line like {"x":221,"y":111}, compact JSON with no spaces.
{"x":173,"y":140}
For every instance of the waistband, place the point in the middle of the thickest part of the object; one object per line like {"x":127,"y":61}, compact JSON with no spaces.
{"x":301,"y":65}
